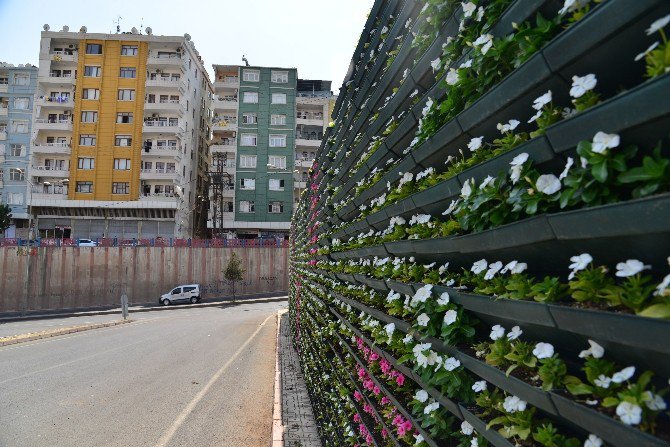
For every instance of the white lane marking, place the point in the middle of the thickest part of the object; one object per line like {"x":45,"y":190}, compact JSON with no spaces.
{"x":169,"y":434}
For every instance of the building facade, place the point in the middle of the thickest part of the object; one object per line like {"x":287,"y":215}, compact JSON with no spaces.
{"x":17,"y":90}
{"x":266,"y":126}
{"x":119,"y":138}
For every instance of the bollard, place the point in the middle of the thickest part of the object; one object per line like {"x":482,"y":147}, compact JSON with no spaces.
{"x":124,"y":306}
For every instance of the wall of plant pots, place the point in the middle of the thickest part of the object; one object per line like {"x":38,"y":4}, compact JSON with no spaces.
{"x":482,"y":254}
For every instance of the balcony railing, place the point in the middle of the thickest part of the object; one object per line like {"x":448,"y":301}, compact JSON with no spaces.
{"x":158,"y":194}
{"x":309,"y":116}
{"x":53,"y":170}
{"x":3,"y":135}
{"x":161,"y":123}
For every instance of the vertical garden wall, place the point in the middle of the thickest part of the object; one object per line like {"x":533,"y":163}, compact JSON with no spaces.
{"x":481,"y":256}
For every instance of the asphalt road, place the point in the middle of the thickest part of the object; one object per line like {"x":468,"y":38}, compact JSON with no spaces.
{"x":184,"y":377}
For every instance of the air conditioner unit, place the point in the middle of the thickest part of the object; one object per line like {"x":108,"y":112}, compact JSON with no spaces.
{"x":71,"y":45}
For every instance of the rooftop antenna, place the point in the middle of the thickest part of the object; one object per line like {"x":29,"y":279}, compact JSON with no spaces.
{"x":118,"y":24}
{"x":244,"y":58}
{"x":141,"y":24}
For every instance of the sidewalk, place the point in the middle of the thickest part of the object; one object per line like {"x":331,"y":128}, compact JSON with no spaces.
{"x":297,"y":419}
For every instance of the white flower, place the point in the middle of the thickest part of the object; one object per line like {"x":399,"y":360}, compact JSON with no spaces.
{"x":451,"y":364}
{"x":466,"y":428}
{"x":421,"y":295}
{"x":420,"y":219}
{"x":452,"y":77}
{"x":392,"y":296}
{"x":654,"y":402}
{"x":421,"y":396}
{"x":514,"y":333}
{"x":517,"y":165}
{"x":436,"y":64}
{"x":466,"y":190}
{"x":497,"y":331}
{"x":542,"y":100}
{"x":603,"y":141}
{"x":572,"y":5}
{"x":513,"y":404}
{"x":441,"y":270}
{"x":651,"y":48}
{"x":480,"y":386}
{"x":581,"y":85}
{"x":443,"y":299}
{"x":579,"y":263}
{"x":595,"y":350}
{"x":475,"y":144}
{"x":493,"y":269}
{"x":658,"y":25}
{"x":450,"y":317}
{"x":535,"y":117}
{"x":568,"y":165}
{"x":548,"y":184}
{"x":431,"y":407}
{"x":407,"y":339}
{"x":623,"y":375}
{"x":474,"y":442}
{"x":466,"y":64}
{"x":511,"y":125}
{"x":485,"y":41}
{"x":418,"y":439}
{"x":452,"y":207}
{"x":630,"y":267}
{"x":468,"y":8}
{"x":423,"y":320}
{"x":602,"y":381}
{"x":479,"y":266}
{"x":389,"y":328}
{"x":543,"y":350}
{"x":630,"y":414}
{"x":663,"y":286}
{"x":593,"y":441}
{"x":486,"y":182}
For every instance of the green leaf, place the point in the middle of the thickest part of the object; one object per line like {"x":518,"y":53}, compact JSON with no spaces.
{"x":599,"y":171}
{"x":610,"y":402}
{"x":656,"y":311}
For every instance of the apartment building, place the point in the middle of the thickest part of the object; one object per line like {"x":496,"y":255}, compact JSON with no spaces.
{"x":119,"y":137}
{"x":266,"y":126}
{"x":17,"y":89}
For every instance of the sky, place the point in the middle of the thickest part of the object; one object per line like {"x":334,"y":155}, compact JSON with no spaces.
{"x":318,"y":37}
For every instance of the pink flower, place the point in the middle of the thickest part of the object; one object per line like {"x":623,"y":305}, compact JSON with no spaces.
{"x":358,"y":396}
{"x":367,"y":408}
{"x":400,"y":380}
{"x":374,"y":356}
{"x":384,"y":433}
{"x":385,"y":400}
{"x":376,"y":390}
{"x":398,"y":420}
{"x":385,"y":366}
{"x":357,"y":417}
{"x":368,"y":438}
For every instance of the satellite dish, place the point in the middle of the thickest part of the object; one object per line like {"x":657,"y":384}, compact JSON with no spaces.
{"x":46,"y":27}
{"x":149,"y":30}
{"x":83,"y":29}
{"x":134,"y":30}
{"x":66,"y":28}
{"x":187,"y":36}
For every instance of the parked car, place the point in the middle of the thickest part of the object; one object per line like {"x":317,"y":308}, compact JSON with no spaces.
{"x":180,"y":294}
{"x":87,"y":243}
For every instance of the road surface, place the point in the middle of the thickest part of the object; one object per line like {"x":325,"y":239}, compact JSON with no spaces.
{"x":183,"y":377}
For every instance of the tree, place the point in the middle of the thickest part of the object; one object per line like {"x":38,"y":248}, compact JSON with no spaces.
{"x":234,"y":271}
{"x":5,"y":216}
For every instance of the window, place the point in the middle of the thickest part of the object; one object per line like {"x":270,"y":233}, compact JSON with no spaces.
{"x":123,"y":164}
{"x":277,"y":162}
{"x":19,"y":126}
{"x":16,"y":175}
{"x":87,"y":140}
{"x":126,"y":94}
{"x":93,"y":48}
{"x":123,"y":140}
{"x":250,"y":97}
{"x":92,"y":71}
{"x":249,"y":118}
{"x":275,"y":207}
{"x":277,"y":140}
{"x":89,"y":117}
{"x":124,"y":117}
{"x":248,"y":139}
{"x":86,"y":187}
{"x":128,"y":72}
{"x":86,"y":163}
{"x":91,"y":93}
{"x":247,"y":206}
{"x":21,"y":103}
{"x":280,"y":77}
{"x":247,"y":183}
{"x":17,"y":150}
{"x":120,"y":188}
{"x":15,"y":198}
{"x":251,"y":75}
{"x":278,"y":120}
{"x":279,"y":98}
{"x":129,"y":50}
{"x":276,"y":184}
{"x":21,"y":79}
{"x":247,"y":161}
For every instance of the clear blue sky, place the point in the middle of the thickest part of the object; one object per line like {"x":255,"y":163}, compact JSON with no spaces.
{"x":317,"y":37}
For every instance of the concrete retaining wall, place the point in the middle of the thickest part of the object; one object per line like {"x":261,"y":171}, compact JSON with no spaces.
{"x":67,"y":277}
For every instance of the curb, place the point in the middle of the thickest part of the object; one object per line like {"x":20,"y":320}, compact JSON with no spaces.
{"x":277,"y":424}
{"x":140,"y":309}
{"x":63,"y":331}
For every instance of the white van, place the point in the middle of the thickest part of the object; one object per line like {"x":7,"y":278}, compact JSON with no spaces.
{"x":180,"y":294}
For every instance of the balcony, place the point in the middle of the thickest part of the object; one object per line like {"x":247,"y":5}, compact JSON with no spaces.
{"x":222,"y":147}
{"x":165,"y":83}
{"x":227,"y":82}
{"x":49,"y":171}
{"x":58,"y":80}
{"x":45,"y":196}
{"x":164,"y":59}
{"x":3,"y":135}
{"x":4,"y":110}
{"x":4,"y":84}
{"x":307,"y":143}
{"x":161,"y":199}
{"x":299,"y":185}
{"x":162,"y":151}
{"x":159,"y":174}
{"x":169,"y":105}
{"x":224,"y":123}
{"x":56,"y":102}
{"x":51,"y":148}
{"x":52,"y":124}
{"x":309,"y":118}
{"x":62,"y":56}
{"x":225,"y":103}
{"x":161,"y":127}
{"x":304,"y":163}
